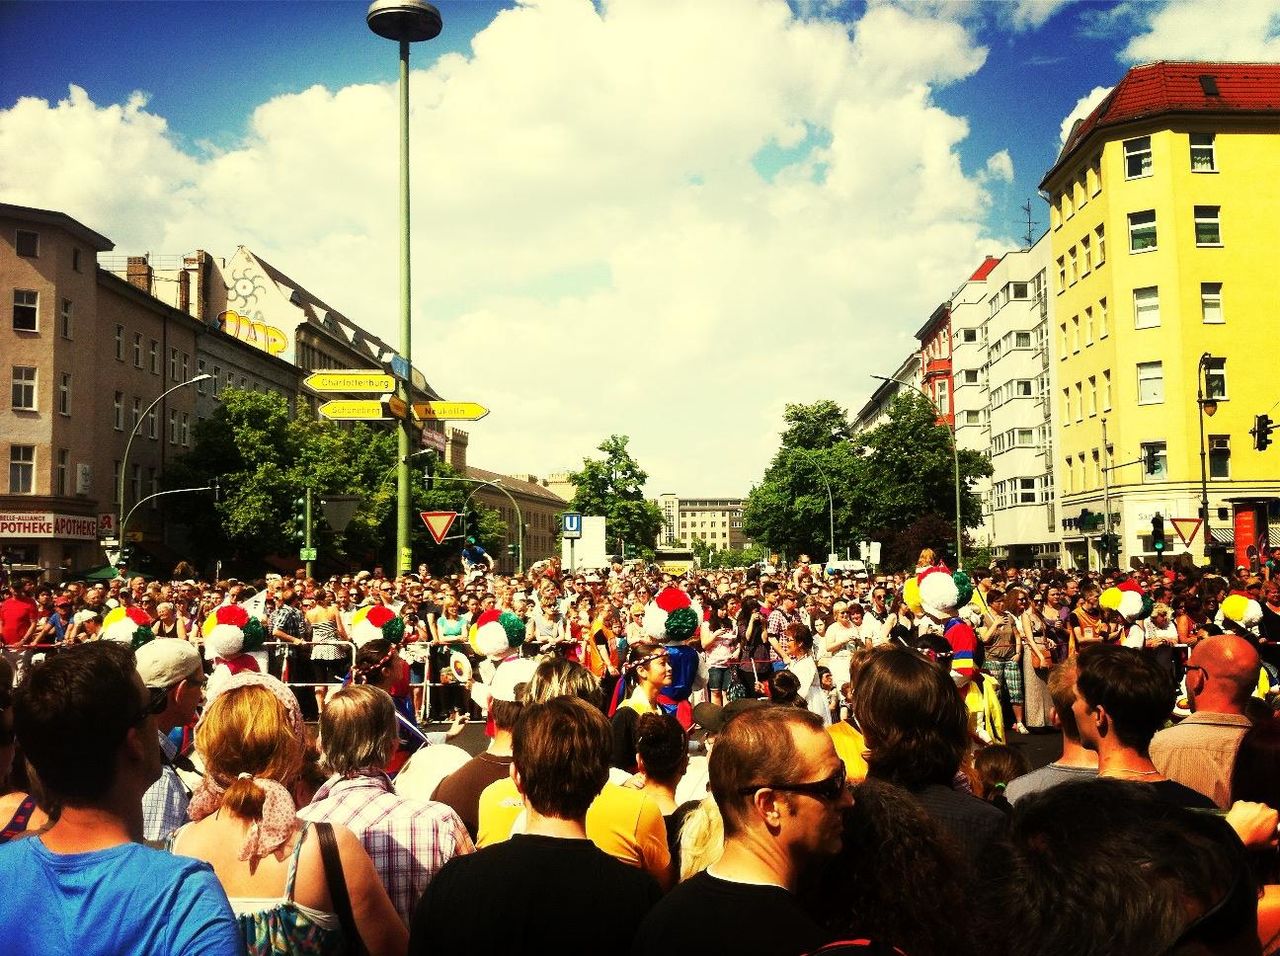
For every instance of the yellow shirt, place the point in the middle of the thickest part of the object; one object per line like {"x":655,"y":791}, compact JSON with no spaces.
{"x":849,"y":747}
{"x":624,"y":823}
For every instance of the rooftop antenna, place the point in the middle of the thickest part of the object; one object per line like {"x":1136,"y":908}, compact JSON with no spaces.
{"x":1030,"y":236}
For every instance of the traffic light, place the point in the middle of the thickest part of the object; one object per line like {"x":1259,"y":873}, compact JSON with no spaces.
{"x":429,"y":472}
{"x":1261,"y":431}
{"x":513,"y":550}
{"x":299,"y":518}
{"x":1086,"y":519}
{"x":1150,"y":464}
{"x":1157,"y":533}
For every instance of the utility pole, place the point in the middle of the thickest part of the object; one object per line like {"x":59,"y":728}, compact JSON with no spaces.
{"x":1106,"y":500}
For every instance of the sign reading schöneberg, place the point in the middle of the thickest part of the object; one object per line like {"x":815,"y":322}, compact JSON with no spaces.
{"x":46,"y":524}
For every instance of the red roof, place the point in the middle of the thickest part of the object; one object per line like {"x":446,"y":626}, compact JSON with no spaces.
{"x":1167,"y":87}
{"x":984,"y":270}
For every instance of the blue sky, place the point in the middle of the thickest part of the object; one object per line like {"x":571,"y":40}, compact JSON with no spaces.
{"x":659,"y":218}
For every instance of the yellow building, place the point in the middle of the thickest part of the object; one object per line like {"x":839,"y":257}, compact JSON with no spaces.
{"x":1165,"y":225}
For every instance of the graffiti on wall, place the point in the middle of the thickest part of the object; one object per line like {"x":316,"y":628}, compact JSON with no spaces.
{"x":244,"y":318}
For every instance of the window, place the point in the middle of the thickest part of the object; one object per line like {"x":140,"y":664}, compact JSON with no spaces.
{"x":1203,"y":159}
{"x":173,"y":364}
{"x":1150,"y":383}
{"x":1027,"y":492}
{"x":1106,"y":390}
{"x":155,"y":357}
{"x":153,"y":487}
{"x":1022,"y":340}
{"x":1161,"y":458}
{"x":1022,"y":388}
{"x":1102,"y":318}
{"x":968,"y":335}
{"x":1101,"y":235}
{"x":1211,"y":303}
{"x":1079,"y":401}
{"x":22,"y":469}
{"x":136,"y":481}
{"x":1062,"y":274}
{"x":970,"y":376}
{"x":151,"y":422}
{"x":1142,"y":231}
{"x":1088,"y":325}
{"x":1068,"y":209}
{"x":64,"y":319}
{"x":200,"y":371}
{"x":1086,"y":254}
{"x":173,"y":427}
{"x":184,"y":369}
{"x":137,"y":414}
{"x":1220,"y":456}
{"x":1066,"y":406}
{"x":944,"y":398}
{"x":28,"y":243}
{"x":217,"y":377}
{"x":137,"y":350}
{"x":1074,"y":260}
{"x":1146,"y":308}
{"x":1095,"y":168}
{"x":62,"y":471}
{"x":1055,"y":215}
{"x":1093,"y":395}
{"x":1082,"y":189}
{"x":26,"y":310}
{"x":1019,"y":290}
{"x":1065,"y":347}
{"x":64,"y":394}
{"x":1137,"y":157}
{"x":1208,"y":226}
{"x":24,"y":388}
{"x":184,"y":430}
{"x":971,"y":418}
{"x":75,"y":259}
{"x":1075,"y":333}
{"x":1215,"y":378}
{"x":119,"y":343}
{"x":117,"y":411}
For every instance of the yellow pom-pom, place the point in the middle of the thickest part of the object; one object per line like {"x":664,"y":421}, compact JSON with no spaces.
{"x":1111,"y":598}
{"x":911,"y":595}
{"x":1234,"y":606}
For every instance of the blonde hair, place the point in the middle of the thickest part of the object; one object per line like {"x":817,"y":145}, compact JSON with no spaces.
{"x":248,"y":730}
{"x":357,"y":729}
{"x":701,"y":838}
{"x":927,"y":558}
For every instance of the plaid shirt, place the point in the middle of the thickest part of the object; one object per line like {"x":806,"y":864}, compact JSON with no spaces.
{"x":164,"y":805}
{"x":408,"y":840}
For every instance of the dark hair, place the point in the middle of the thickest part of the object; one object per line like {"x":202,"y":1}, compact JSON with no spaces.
{"x":373,"y":662}
{"x":755,"y":747}
{"x":561,"y":752}
{"x":505,"y":713}
{"x":1135,"y":691}
{"x":784,"y":689}
{"x":996,"y":765}
{"x":660,"y":742}
{"x":1108,"y":866}
{"x":72,"y":713}
{"x":801,"y":634}
{"x":898,"y":878}
{"x":912,"y":716}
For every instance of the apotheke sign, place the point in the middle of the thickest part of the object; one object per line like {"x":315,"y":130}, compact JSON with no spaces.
{"x":18,"y":524}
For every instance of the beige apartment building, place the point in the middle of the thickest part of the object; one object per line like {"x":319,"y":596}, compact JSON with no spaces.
{"x":717,"y":522}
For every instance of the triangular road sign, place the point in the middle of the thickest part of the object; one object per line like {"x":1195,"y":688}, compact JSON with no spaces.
{"x":1186,"y":528}
{"x":438,"y":522}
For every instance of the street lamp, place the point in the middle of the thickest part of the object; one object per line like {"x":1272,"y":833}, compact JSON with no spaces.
{"x":955,"y":456}
{"x":1208,"y":406}
{"x":831,"y":502}
{"x":405,"y":21}
{"x":124,"y":462}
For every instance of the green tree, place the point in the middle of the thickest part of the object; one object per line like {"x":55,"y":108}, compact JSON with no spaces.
{"x":614,"y":487}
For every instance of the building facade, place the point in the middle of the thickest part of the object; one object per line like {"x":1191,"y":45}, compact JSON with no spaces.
{"x":1164,"y":203}
{"x":716,"y":522}
{"x":969,"y":394}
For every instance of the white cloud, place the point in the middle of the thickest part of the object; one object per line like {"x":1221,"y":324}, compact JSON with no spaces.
{"x":1084,"y":106}
{"x":999,"y":167}
{"x":594,"y":251}
{"x":1030,"y":14}
{"x":1205,"y":30}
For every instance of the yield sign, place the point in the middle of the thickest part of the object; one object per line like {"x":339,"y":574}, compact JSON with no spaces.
{"x":438,"y":522}
{"x":1186,"y":528}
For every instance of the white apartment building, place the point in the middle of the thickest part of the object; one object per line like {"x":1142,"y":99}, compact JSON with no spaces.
{"x":969,"y":313}
{"x":717,"y":522}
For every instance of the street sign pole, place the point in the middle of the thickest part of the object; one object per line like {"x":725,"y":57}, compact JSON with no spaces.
{"x":307,"y":538}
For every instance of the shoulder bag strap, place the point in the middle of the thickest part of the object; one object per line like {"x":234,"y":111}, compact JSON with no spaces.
{"x":337,"y":884}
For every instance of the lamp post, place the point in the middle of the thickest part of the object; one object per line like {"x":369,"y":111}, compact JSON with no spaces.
{"x":831,"y":503}
{"x":1208,"y":406}
{"x":124,"y":462}
{"x":955,"y":457}
{"x":405,"y":21}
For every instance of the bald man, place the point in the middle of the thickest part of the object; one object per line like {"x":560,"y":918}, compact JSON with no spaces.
{"x":1200,"y":752}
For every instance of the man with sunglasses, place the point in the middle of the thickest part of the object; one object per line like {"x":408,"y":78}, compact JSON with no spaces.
{"x":781,"y":790}
{"x":172,"y":673}
{"x":86,"y":884}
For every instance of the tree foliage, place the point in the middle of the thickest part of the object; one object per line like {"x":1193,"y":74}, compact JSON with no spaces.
{"x":264,"y":458}
{"x":881,"y":482}
{"x":613,"y":486}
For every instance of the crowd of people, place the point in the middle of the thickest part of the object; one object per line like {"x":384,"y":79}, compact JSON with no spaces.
{"x":773,"y":761}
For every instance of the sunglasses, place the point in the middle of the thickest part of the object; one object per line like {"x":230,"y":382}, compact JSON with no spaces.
{"x":830,"y":788}
{"x":157,"y":700}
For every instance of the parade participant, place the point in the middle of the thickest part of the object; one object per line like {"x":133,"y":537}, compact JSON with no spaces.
{"x":408,"y":840}
{"x":1002,"y":640}
{"x":780,"y":789}
{"x":496,"y":901}
{"x":173,"y":674}
{"x":230,"y":641}
{"x":276,"y":869}
{"x":646,"y":674}
{"x":329,"y":658}
{"x":87,"y":885}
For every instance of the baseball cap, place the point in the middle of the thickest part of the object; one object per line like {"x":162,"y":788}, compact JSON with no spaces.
{"x":85,"y":616}
{"x":62,"y":601}
{"x":165,"y":661}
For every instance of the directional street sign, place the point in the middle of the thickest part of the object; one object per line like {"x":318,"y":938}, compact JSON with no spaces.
{"x":366,"y":409}
{"x":306,"y":554}
{"x":438,"y":522}
{"x":360,"y":380}
{"x":450,"y":411}
{"x":571,"y":525}
{"x":1186,"y":528}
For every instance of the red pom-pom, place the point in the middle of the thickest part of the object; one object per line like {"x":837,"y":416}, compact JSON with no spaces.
{"x":936,"y":569}
{"x":488,"y":617}
{"x":139,"y":616}
{"x":671,"y":599}
{"x":1130,"y":585}
{"x":232,"y":614}
{"x":379,"y":615}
